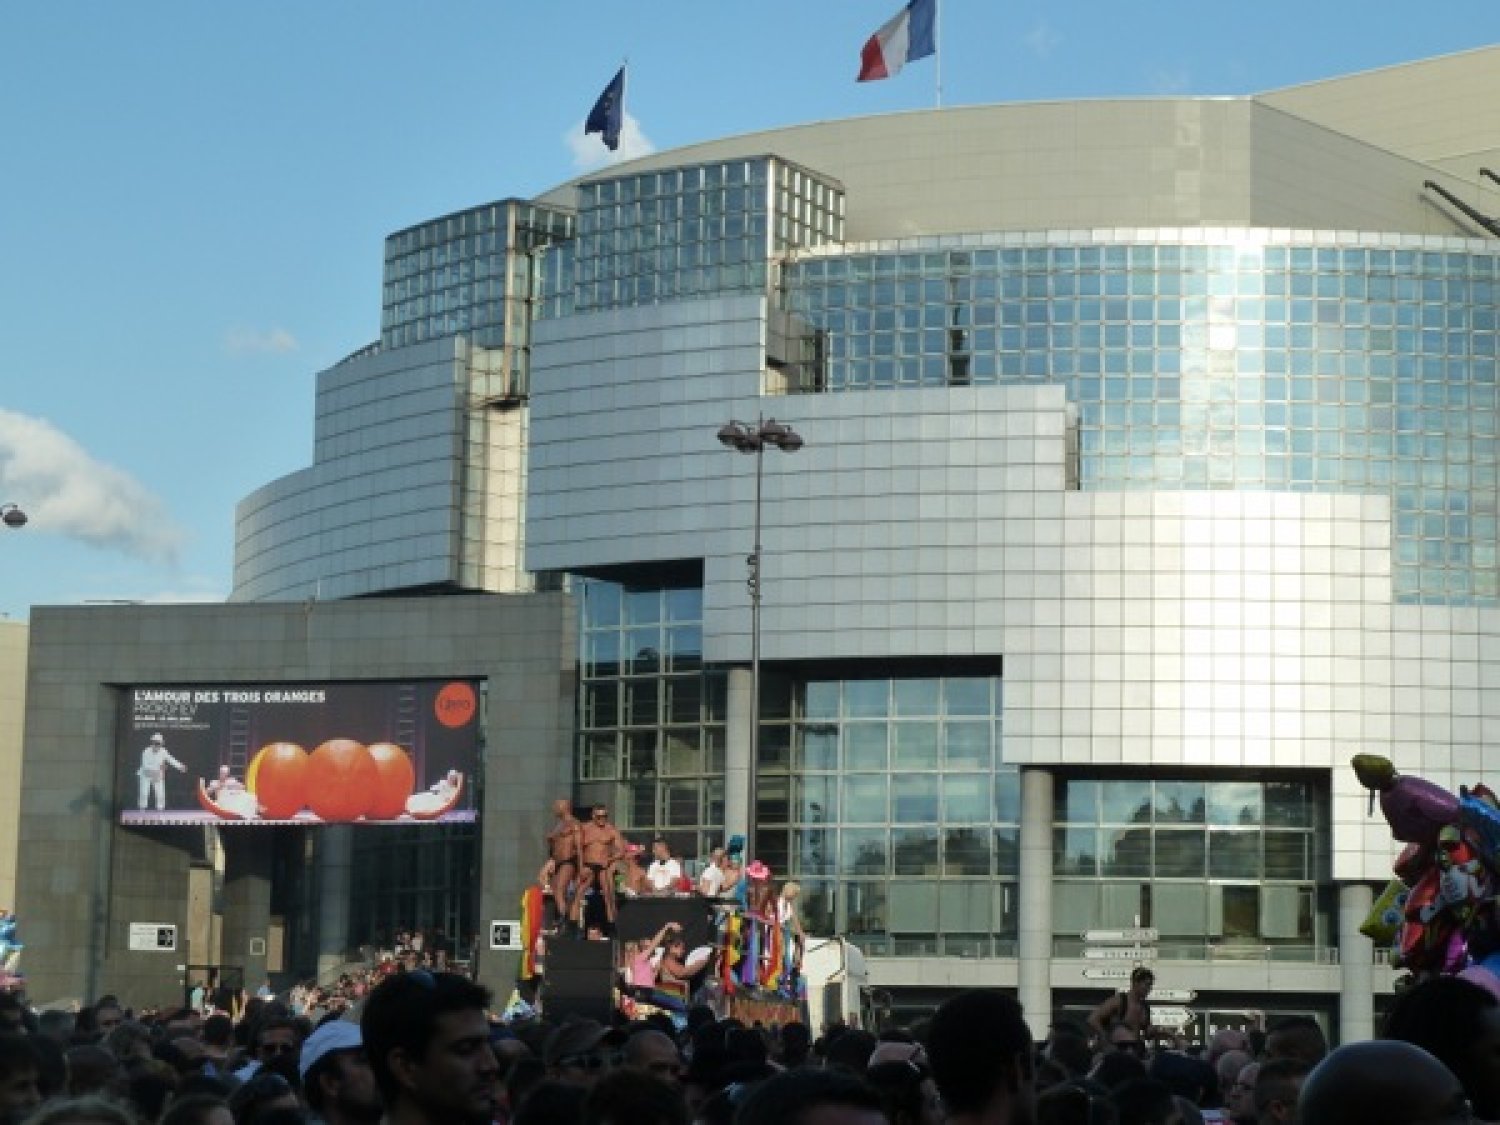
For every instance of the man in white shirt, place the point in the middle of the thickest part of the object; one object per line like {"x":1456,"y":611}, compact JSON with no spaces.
{"x":711,"y":879}
{"x":664,"y":871}
{"x":153,"y":772}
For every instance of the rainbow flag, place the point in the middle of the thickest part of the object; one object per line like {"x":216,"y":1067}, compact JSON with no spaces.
{"x":533,"y":909}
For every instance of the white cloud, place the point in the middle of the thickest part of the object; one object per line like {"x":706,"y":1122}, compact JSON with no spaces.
{"x":247,"y":341}
{"x":67,"y":491}
{"x":1042,"y":39}
{"x":589,"y":151}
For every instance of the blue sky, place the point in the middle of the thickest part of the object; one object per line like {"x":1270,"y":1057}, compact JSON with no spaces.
{"x":193,"y":196}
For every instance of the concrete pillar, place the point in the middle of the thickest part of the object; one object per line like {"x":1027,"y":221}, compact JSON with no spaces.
{"x":737,"y":754}
{"x":335,"y":867}
{"x":1034,"y":971}
{"x":247,"y":902}
{"x":1356,"y":965}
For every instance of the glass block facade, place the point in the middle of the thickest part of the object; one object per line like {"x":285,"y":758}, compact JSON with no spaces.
{"x":471,"y":273}
{"x":1243,"y":365}
{"x":688,"y":232}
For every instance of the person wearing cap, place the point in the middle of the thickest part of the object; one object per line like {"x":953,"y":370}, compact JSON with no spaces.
{"x":337,"y":1081}
{"x":155,"y":759}
{"x":427,"y":1038}
{"x":578,"y":1052}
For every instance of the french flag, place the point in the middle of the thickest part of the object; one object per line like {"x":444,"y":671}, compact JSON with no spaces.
{"x":906,"y":36}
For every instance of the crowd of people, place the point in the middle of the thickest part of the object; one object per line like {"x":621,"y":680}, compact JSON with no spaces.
{"x":426,"y":1047}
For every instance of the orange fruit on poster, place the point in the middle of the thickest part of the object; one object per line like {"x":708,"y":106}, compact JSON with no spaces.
{"x":278,"y":778}
{"x":455,"y":705}
{"x":341,"y":780}
{"x":395,"y":777}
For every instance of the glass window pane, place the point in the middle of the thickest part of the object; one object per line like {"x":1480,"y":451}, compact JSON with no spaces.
{"x":966,"y":908}
{"x":966,"y":696}
{"x":966,"y":798}
{"x":865,"y":907}
{"x":1077,"y":802}
{"x":862,"y":851}
{"x":1122,"y":905}
{"x":1180,"y":854}
{"x":1125,"y":802}
{"x":601,"y":604}
{"x":1179,"y":802}
{"x":916,"y":746}
{"x":865,"y":746}
{"x":813,"y":850}
{"x":1180,"y":910}
{"x":682,"y":753}
{"x":1008,"y":852}
{"x":1075,"y":908}
{"x":773,"y":803}
{"x":1286,"y":855}
{"x":818,"y":800}
{"x":966,"y":851}
{"x":966,"y":746}
{"x":821,"y":701}
{"x":1127,"y":852}
{"x":820,"y":747}
{"x":867,"y":699}
{"x":1234,"y":855}
{"x":913,"y":907}
{"x":1239,"y":913}
{"x":642,"y":607}
{"x":1287,"y":804}
{"x":917,"y":698}
{"x":865,"y":798}
{"x":1008,"y":796}
{"x":1234,"y":802}
{"x":1075,"y":851}
{"x":914,"y":851}
{"x":681,"y":803}
{"x":914,"y":798}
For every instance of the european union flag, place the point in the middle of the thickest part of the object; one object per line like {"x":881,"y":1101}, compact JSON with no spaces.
{"x":608,"y":112}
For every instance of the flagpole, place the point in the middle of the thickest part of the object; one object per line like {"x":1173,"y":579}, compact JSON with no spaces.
{"x":937,"y":48}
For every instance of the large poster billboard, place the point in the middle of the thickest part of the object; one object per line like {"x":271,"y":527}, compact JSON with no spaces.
{"x":303,"y":753}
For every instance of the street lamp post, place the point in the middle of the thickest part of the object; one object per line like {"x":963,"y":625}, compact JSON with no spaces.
{"x":742,"y":437}
{"x":12,"y":516}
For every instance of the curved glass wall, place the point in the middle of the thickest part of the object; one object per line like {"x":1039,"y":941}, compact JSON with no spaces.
{"x":1252,"y":364}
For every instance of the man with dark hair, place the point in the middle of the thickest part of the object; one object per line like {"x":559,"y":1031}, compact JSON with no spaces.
{"x":1458,"y":1023}
{"x":273,"y":1037}
{"x":1296,"y":1037}
{"x":981,"y":1053}
{"x":337,"y":1082}
{"x":812,"y":1097}
{"x":1278,"y":1085}
{"x":428,"y":1042}
{"x":1381,"y":1082}
{"x":19,"y":1067}
{"x":633,"y":1097}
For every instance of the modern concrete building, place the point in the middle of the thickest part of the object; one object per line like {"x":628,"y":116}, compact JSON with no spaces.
{"x":13,"y":636}
{"x":1150,"y":471}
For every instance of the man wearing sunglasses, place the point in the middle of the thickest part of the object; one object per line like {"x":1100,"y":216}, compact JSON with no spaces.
{"x":603,"y":847}
{"x":428,"y":1041}
{"x":273,"y":1037}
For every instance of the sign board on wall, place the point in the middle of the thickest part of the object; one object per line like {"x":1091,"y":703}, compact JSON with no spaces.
{"x":305,"y":753}
{"x":153,"y":937}
{"x":505,"y":935}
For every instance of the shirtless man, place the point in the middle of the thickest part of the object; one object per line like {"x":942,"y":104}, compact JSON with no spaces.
{"x":563,"y":847}
{"x":602,"y":847}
